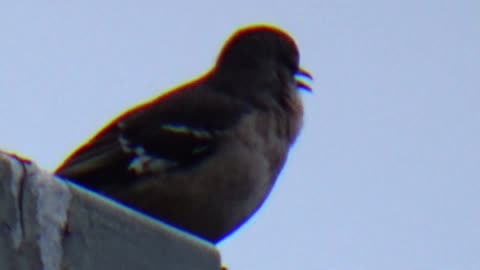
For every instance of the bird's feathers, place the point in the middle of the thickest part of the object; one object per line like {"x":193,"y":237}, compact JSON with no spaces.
{"x":177,"y":136}
{"x":204,"y":156}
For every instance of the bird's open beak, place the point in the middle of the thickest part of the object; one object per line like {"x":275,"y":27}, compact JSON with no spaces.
{"x":303,"y":77}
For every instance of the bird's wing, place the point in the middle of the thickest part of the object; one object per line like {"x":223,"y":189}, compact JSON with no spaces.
{"x":174,"y":131}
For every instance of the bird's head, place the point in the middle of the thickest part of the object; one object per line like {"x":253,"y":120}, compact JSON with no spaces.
{"x":263,"y":52}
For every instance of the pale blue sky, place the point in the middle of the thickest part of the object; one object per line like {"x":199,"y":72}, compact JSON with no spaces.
{"x":386,"y":174}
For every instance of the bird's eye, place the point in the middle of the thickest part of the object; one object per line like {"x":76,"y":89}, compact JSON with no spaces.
{"x":289,"y":63}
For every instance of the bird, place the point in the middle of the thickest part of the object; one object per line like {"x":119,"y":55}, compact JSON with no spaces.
{"x":204,"y":156}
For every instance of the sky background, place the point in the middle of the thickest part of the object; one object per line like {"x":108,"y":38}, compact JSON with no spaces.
{"x":386,"y":173}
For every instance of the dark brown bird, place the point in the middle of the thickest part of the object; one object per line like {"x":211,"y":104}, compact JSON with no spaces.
{"x":205,"y":156}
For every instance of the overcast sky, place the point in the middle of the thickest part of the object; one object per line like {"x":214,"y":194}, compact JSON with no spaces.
{"x":386,"y":174}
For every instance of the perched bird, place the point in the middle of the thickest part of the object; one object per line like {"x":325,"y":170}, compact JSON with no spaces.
{"x":204,"y":156}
